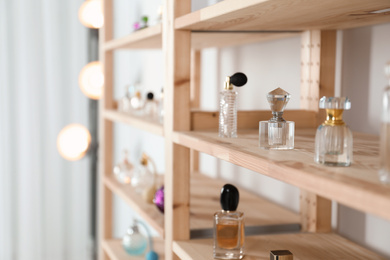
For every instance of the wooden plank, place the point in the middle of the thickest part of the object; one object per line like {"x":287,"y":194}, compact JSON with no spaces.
{"x":297,"y":15}
{"x":202,"y":120}
{"x":177,"y":50}
{"x":302,"y":245}
{"x":144,"y":123}
{"x":115,"y":251}
{"x":316,"y":212}
{"x":148,"y":38}
{"x":195,"y":98}
{"x":356,"y":186}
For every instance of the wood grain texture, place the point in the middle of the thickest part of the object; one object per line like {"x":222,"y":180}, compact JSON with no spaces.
{"x":144,"y":123}
{"x":195,"y":98}
{"x":303,"y":246}
{"x":114,"y":249}
{"x":202,"y":120}
{"x":356,"y":186}
{"x":316,"y":212}
{"x":296,"y":14}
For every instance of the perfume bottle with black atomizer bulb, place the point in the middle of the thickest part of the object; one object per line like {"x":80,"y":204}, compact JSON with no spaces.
{"x":277,"y":133}
{"x":228,"y":105}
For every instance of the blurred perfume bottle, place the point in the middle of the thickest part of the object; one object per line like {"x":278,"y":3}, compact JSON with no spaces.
{"x":161,"y":107}
{"x":124,"y":102}
{"x":333,"y":142}
{"x":228,"y":105}
{"x":151,"y":106}
{"x":277,"y":133}
{"x":123,"y":171}
{"x":144,"y":176}
{"x":384,"y":172}
{"x":134,"y":242}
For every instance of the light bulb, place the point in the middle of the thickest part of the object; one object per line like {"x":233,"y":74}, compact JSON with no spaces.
{"x":73,"y":142}
{"x":91,"y":80}
{"x":91,"y":14}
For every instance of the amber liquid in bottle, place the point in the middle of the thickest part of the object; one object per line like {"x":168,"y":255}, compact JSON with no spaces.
{"x":230,"y":236}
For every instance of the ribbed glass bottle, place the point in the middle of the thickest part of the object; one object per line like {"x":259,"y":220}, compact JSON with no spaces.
{"x":228,"y":113}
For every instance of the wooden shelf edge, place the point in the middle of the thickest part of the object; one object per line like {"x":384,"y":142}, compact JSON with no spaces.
{"x":299,"y":169}
{"x":146,"y":124}
{"x":115,"y":251}
{"x":147,"y":38}
{"x":301,"y":245}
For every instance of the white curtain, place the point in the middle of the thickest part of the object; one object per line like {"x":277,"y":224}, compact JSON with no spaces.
{"x":44,"y":200}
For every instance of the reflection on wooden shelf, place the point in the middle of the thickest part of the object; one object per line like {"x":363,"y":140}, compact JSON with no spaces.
{"x":356,"y":186}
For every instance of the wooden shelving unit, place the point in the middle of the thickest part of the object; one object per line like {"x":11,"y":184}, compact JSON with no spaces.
{"x":190,"y":197}
{"x":114,"y":250}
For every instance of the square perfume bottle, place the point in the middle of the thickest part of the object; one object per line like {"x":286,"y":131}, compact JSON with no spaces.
{"x":277,"y":133}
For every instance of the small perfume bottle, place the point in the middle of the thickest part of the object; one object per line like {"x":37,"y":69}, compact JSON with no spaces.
{"x":150,"y":106}
{"x":384,"y":172}
{"x":143,"y":177}
{"x":123,"y":171}
{"x":228,"y":105}
{"x":161,"y":107}
{"x":136,"y":103}
{"x":333,"y":142}
{"x":124,"y":102}
{"x":277,"y":133}
{"x":133,"y":241}
{"x":229,"y":233}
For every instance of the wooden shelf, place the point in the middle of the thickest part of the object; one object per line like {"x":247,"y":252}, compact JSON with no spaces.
{"x":144,"y":123}
{"x":356,"y":186}
{"x":303,"y":246}
{"x":268,"y":15}
{"x":115,"y":251}
{"x":204,"y":203}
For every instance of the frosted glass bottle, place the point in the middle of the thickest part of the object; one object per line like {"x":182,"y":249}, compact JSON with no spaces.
{"x":133,"y":241}
{"x":228,"y":105}
{"x":384,"y":172}
{"x":123,"y":171}
{"x":333,"y":142}
{"x":144,"y":177}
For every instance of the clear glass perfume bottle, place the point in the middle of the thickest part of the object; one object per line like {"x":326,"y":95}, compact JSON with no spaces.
{"x":150,"y":106}
{"x":123,"y":171}
{"x":229,"y":228}
{"x":228,"y":105}
{"x":384,"y":172}
{"x":161,"y":107}
{"x":333,"y":142}
{"x":124,"y":102}
{"x":134,"y":242}
{"x":144,"y":175}
{"x":277,"y":133}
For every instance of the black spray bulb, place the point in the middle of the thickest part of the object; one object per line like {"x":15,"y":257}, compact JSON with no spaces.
{"x":150,"y":96}
{"x":238,"y":79}
{"x":229,"y":197}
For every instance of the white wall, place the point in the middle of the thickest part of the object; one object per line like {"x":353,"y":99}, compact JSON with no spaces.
{"x":268,"y":65}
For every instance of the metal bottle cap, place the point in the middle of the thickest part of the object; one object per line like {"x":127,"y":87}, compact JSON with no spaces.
{"x":281,"y":255}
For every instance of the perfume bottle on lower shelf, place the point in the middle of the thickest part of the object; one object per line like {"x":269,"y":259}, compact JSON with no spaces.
{"x":229,"y":233}
{"x":333,"y":142}
{"x":277,"y":133}
{"x":228,"y":105}
{"x":123,"y":171}
{"x":144,"y":178}
{"x":384,"y":172}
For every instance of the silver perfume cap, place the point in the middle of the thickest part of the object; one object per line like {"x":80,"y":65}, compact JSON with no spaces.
{"x":278,"y":99}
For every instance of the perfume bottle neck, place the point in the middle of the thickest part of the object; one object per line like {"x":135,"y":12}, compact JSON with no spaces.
{"x":277,"y":117}
{"x":334,"y":117}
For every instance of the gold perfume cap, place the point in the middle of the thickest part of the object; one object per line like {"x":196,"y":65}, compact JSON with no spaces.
{"x":278,"y":99}
{"x":144,"y":159}
{"x":281,"y":255}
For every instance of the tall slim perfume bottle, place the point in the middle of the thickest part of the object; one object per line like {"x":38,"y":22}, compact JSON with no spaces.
{"x":333,"y":142}
{"x":277,"y":133}
{"x":384,"y":172}
{"x":228,"y":105}
{"x":229,"y":234}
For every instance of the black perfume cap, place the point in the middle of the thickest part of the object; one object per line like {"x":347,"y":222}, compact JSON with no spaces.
{"x":150,"y":96}
{"x":229,"y":197}
{"x":238,"y":79}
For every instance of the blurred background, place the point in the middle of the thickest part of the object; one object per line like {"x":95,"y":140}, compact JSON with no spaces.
{"x":47,"y":203}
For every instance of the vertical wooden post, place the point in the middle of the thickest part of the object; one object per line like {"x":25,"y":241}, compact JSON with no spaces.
{"x":318,"y":59}
{"x":105,"y":133}
{"x":177,"y":50}
{"x":195,"y":97}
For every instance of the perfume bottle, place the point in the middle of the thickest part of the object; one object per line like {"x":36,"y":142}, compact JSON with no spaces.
{"x":150,"y":106}
{"x":134,"y":242}
{"x":123,"y":171}
{"x":277,"y":133}
{"x":144,"y":176}
{"x":384,"y":172}
{"x":124,"y":102}
{"x":136,"y":103}
{"x":228,"y":105}
{"x":229,"y":233}
{"x":161,"y":107}
{"x":333,"y":142}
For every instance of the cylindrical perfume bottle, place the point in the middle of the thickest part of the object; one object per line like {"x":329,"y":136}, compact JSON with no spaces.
{"x":150,"y":106}
{"x":228,"y":105}
{"x":277,"y":133}
{"x":123,"y":171}
{"x":333,"y":142}
{"x":384,"y":172}
{"x":229,"y":228}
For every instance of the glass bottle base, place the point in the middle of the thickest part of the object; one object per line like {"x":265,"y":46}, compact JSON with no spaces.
{"x":276,"y":135}
{"x":335,"y":164}
{"x":228,"y":254}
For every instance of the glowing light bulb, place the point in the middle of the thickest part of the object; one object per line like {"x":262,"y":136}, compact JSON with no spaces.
{"x":91,"y":80}
{"x":91,"y":14}
{"x":73,"y":142}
